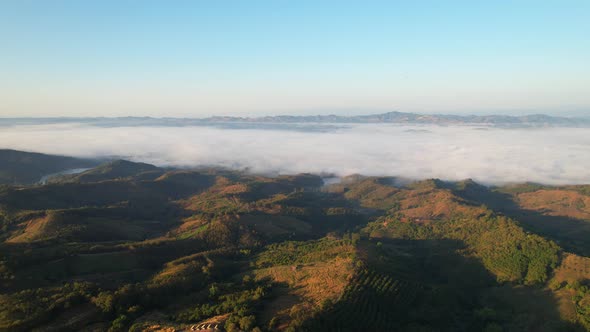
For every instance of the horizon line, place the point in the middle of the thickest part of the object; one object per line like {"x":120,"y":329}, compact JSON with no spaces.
{"x":586,"y":115}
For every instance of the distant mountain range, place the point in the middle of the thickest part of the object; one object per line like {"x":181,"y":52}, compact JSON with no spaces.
{"x":415,"y":118}
{"x":534,"y":120}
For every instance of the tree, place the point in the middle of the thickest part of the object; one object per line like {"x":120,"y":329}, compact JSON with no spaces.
{"x":274,"y":322}
{"x":230,"y":326}
{"x":247,"y":322}
{"x":119,"y":323}
{"x":213,"y":290}
{"x":104,"y":300}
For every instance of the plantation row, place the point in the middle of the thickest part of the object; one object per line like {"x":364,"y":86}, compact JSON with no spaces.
{"x":372,"y":302}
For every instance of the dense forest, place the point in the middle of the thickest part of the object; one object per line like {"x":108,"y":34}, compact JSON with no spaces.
{"x":130,"y":246}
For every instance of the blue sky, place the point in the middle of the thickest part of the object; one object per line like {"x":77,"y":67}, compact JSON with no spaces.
{"x":198,"y":58}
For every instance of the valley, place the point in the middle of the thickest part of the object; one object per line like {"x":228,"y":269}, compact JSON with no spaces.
{"x":130,"y":246}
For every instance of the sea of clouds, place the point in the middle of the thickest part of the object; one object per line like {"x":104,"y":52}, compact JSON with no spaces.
{"x":486,"y":154}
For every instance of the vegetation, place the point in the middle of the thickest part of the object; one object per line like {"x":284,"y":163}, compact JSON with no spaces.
{"x":20,"y":168}
{"x":504,"y":248}
{"x":128,"y":246}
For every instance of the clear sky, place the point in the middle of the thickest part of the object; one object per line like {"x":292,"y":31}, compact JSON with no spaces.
{"x":198,"y":58}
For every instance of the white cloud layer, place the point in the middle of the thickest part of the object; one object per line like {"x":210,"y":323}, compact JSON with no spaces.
{"x":491,"y":155}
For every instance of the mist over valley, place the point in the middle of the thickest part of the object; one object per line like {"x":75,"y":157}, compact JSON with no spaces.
{"x":489,"y":154}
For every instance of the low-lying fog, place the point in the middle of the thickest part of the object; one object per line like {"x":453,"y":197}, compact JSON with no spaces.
{"x":488,"y":155}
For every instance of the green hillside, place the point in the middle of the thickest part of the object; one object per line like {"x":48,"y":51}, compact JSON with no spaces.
{"x":128,"y":246}
{"x":117,"y":169}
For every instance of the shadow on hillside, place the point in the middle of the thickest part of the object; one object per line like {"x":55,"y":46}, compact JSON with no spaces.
{"x":570,"y":233}
{"x":431,"y":285}
{"x":50,"y":264}
{"x":279,"y":306}
{"x":105,"y":193}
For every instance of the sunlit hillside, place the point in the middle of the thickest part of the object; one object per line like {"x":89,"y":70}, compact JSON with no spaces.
{"x":133,"y":247}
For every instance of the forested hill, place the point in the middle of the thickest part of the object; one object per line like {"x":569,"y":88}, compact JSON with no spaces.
{"x":18,"y":167}
{"x":129,"y":246}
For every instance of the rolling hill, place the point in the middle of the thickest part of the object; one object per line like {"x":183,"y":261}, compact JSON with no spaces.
{"x":117,"y":169}
{"x":18,"y":167}
{"x":129,"y":246}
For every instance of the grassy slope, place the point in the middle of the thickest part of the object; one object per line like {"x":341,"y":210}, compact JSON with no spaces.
{"x":432,"y":258}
